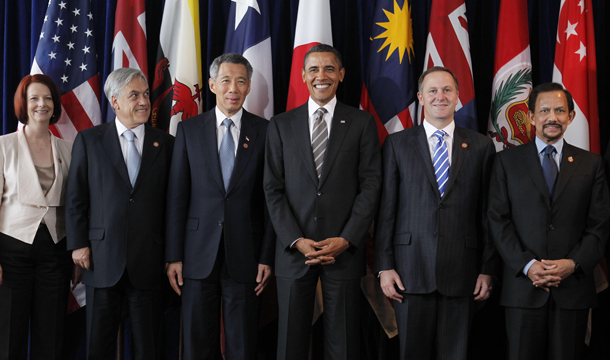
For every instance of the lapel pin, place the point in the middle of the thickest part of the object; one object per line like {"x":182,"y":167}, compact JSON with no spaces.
{"x":156,"y":144}
{"x":245,"y":146}
{"x":59,"y":159}
{"x":342,"y":121}
{"x":464,"y":145}
{"x":247,"y":138}
{"x":571,"y":159}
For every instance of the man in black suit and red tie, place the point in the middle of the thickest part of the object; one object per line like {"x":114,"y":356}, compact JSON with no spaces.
{"x":431,"y":246}
{"x":115,"y":207}
{"x":549,"y":212}
{"x":220,"y":242}
{"x":322,"y":181}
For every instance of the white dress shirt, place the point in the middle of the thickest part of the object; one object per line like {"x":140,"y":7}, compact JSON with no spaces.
{"x":138,"y":139}
{"x":221,"y":129}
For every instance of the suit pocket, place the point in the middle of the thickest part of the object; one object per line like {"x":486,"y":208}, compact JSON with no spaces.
{"x":96,"y":234}
{"x":192,"y":224}
{"x":471,"y":242}
{"x":403,"y":238}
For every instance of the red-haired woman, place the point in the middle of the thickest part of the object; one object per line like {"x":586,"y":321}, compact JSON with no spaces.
{"x":35,"y":266}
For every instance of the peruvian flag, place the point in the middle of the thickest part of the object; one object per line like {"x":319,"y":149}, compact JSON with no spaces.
{"x":448,"y":45}
{"x":576,"y":68}
{"x":313,"y":28}
{"x":508,"y":122}
{"x":129,"y":45}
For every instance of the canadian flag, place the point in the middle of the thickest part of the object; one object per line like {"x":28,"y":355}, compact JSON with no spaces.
{"x":576,"y":68}
{"x":313,"y":28}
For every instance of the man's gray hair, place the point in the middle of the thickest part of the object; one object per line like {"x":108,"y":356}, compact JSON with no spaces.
{"x":118,"y":79}
{"x":230,"y":58}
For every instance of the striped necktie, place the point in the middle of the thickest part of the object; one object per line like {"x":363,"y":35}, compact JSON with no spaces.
{"x":319,"y":138}
{"x":441,"y":161}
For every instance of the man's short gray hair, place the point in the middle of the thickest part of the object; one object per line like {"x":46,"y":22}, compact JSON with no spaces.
{"x":118,"y":79}
{"x":230,"y":58}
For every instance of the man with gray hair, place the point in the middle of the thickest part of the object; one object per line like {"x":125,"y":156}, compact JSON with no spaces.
{"x":220,"y":243}
{"x":115,"y":208}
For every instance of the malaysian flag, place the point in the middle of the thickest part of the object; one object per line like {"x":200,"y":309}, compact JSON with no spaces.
{"x":66,"y":53}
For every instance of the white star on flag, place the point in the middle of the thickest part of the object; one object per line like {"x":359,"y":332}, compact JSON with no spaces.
{"x":83,"y":67}
{"x":242,"y":8}
{"x":42,"y":35}
{"x":55,"y":38}
{"x":73,"y":28}
{"x":59,"y":21}
{"x":582,"y":51}
{"x":71,"y":45}
{"x":61,"y":4}
{"x":68,"y":62}
{"x":89,"y":33}
{"x":90,"y":15}
{"x":85,"y":50}
{"x":52,"y":55}
{"x":76,"y":12}
{"x":571,"y":30}
{"x":64,"y":78}
{"x":45,"y":18}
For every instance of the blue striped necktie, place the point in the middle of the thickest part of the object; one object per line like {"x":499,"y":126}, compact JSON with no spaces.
{"x":441,"y":161}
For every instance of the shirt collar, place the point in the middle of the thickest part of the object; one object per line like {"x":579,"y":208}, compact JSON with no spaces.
{"x":430,"y":129}
{"x":138,"y":130}
{"x":312,"y":106}
{"x":540,"y":145}
{"x":220,"y":116}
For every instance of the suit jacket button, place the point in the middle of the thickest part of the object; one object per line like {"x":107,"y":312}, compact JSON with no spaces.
{"x":551,"y":227}
{"x":440,"y":207}
{"x":132,"y":201}
{"x":315,"y":218}
{"x":319,"y":193}
{"x":220,"y":223}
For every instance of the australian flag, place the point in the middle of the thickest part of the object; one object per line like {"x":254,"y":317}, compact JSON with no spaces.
{"x":389,"y":91}
{"x":66,"y":53}
{"x":248,"y":33}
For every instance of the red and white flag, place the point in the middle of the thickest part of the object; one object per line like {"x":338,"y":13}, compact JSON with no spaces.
{"x":576,"y":68}
{"x":313,"y":28}
{"x":448,"y":45}
{"x":129,"y":45}
{"x":508,"y":122}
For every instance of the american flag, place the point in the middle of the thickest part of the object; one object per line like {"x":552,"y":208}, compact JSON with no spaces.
{"x":66,"y":53}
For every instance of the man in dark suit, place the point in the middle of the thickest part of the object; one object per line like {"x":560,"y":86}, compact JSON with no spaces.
{"x":549,"y":213}
{"x":322,"y":181}
{"x":115,"y":208}
{"x":431,"y":246}
{"x":220,"y":239}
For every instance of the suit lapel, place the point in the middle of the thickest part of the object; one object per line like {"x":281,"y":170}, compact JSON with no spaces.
{"x":531,"y":161}
{"x":109,"y":140}
{"x":338,"y":130}
{"x":245,"y":146}
{"x":300,"y":129}
{"x":569,"y":163}
{"x":210,"y":147}
{"x":149,"y":153}
{"x":457,"y":158}
{"x":28,"y":188}
{"x":423,"y":150}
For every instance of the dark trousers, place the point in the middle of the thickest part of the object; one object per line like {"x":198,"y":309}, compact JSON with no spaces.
{"x":104,"y":314}
{"x":33,"y":296}
{"x":341,"y":301}
{"x":201,"y":306}
{"x":433,"y":326}
{"x":548,"y":332}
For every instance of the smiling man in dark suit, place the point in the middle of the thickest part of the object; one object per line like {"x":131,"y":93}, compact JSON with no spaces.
{"x":431,"y":245}
{"x":220,"y":239}
{"x":322,"y":181}
{"x":115,"y":206}
{"x":549,"y":213}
